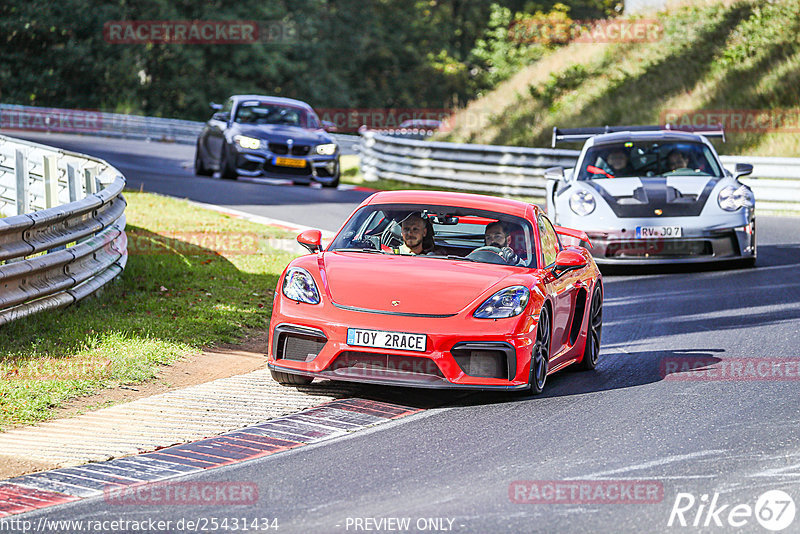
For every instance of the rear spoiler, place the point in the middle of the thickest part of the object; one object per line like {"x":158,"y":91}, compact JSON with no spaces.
{"x":571,"y":232}
{"x":575,"y":135}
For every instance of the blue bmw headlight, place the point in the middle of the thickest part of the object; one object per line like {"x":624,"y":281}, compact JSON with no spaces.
{"x":247,"y":142}
{"x":508,"y":302}
{"x":327,"y":149}
{"x":299,"y":285}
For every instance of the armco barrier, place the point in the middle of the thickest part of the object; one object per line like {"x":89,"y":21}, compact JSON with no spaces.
{"x":520,"y":171}
{"x":62,"y":227}
{"x":89,"y":122}
{"x":487,"y":168}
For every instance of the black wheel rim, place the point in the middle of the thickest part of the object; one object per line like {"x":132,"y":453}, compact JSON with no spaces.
{"x":541,"y":350}
{"x":595,"y":326}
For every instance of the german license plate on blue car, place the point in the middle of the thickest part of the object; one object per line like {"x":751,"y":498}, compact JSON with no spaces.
{"x":382,"y":339}
{"x":645,"y":232}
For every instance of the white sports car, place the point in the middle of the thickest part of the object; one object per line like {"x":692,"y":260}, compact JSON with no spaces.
{"x":648,"y":194}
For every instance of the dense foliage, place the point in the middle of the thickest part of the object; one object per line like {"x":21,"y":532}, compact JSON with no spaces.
{"x":333,"y":53}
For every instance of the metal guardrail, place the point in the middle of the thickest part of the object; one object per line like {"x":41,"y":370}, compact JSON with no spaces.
{"x":495,"y":169}
{"x":520,"y":171}
{"x":62,"y":227}
{"x":88,"y":122}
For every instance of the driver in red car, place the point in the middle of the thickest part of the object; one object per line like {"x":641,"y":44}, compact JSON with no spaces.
{"x":498,"y":235}
{"x":417,"y":235}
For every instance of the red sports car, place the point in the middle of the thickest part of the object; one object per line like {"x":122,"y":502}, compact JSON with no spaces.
{"x":438,"y":290}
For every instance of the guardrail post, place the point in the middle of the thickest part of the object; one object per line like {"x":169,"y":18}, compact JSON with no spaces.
{"x":89,"y":181}
{"x":72,"y":182}
{"x":50,"y":182}
{"x":22,"y":193}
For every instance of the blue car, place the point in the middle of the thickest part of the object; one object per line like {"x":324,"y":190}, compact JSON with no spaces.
{"x":254,"y":135}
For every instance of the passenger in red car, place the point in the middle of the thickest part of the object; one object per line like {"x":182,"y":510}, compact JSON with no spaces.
{"x":417,"y":235}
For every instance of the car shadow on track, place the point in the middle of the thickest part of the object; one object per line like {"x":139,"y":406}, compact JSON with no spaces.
{"x":617,"y":370}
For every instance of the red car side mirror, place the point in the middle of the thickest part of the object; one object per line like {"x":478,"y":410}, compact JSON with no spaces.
{"x":311,"y":239}
{"x":568,"y":260}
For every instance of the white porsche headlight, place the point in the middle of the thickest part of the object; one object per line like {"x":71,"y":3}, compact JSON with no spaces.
{"x":299,"y":285}
{"x":508,"y":302}
{"x":247,"y":142}
{"x":327,"y":149}
{"x":732,"y":198}
{"x":582,"y":202}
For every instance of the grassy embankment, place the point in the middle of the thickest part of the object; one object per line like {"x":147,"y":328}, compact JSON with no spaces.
{"x":729,"y":56}
{"x":194,"y":277}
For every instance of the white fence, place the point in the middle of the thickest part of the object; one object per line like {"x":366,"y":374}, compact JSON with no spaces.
{"x":520,"y":171}
{"x":62,"y":227}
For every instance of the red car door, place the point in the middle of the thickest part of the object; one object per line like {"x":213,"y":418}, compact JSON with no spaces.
{"x":562,"y":288}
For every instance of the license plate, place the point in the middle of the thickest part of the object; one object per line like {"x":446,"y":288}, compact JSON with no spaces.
{"x":386,"y":340}
{"x":290,"y":162}
{"x":644,"y":232}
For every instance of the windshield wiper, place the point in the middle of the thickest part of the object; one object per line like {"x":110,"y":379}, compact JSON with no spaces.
{"x":370,"y":250}
{"x":449,"y":257}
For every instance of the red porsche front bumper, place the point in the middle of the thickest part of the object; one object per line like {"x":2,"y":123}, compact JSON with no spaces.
{"x":460,"y":351}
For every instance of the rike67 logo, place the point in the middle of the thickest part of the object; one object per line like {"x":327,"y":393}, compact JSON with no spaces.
{"x":774,"y":510}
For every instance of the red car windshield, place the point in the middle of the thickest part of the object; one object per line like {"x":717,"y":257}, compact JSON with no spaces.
{"x":453,"y":233}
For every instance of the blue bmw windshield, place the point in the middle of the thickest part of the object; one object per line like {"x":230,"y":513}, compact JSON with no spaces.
{"x":264,"y":113}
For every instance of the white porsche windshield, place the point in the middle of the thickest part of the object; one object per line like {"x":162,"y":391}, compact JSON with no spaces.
{"x":649,"y":158}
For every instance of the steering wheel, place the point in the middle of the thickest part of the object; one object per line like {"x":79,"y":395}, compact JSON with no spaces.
{"x":488,"y":255}
{"x":392,"y":235}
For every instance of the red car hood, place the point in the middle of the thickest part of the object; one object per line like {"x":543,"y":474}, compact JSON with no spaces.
{"x":409,"y":284}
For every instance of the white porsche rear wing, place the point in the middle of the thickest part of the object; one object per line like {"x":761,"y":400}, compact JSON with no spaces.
{"x":576,"y":135}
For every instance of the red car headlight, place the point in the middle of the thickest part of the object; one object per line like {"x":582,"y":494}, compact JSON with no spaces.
{"x":508,"y":302}
{"x":299,"y":285}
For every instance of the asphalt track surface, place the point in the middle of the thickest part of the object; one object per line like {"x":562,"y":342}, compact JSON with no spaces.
{"x":734,"y":436}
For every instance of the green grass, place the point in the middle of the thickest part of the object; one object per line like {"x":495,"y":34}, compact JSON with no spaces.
{"x":741,"y":55}
{"x":194,"y":278}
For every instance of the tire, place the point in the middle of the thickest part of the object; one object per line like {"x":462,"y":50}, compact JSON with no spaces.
{"x":333,"y":184}
{"x":594,"y":332}
{"x":287,"y":379}
{"x":748,"y":263}
{"x":540,"y":354}
{"x":200,"y":168}
{"x":226,"y":172}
